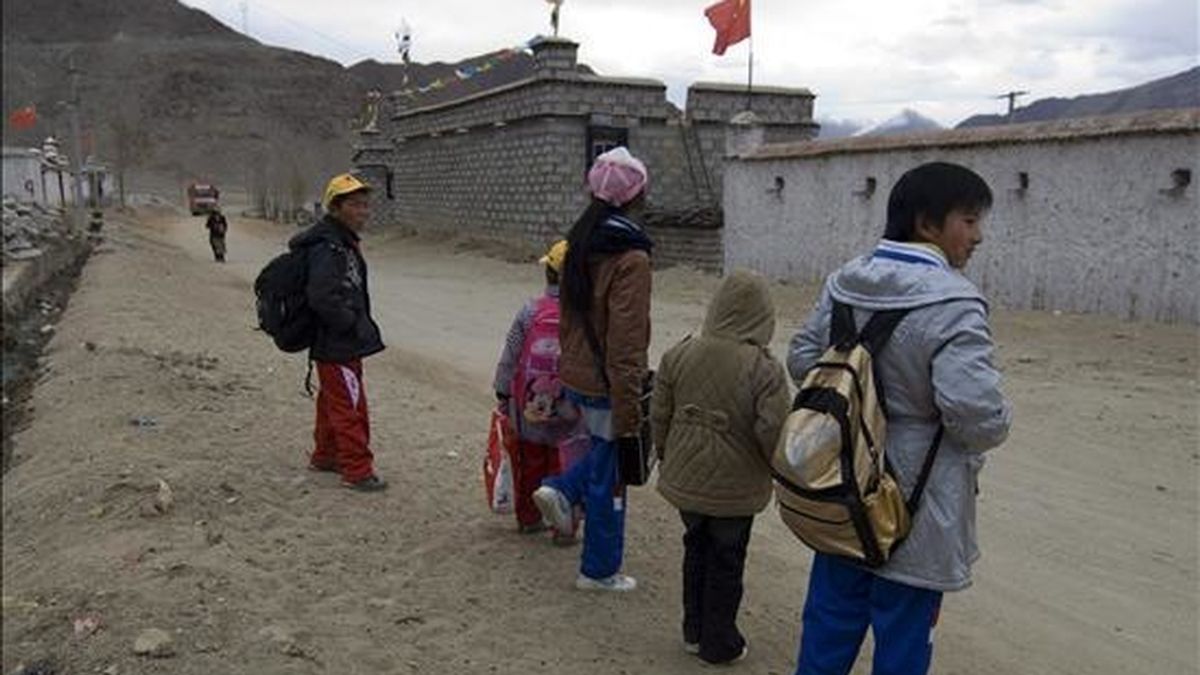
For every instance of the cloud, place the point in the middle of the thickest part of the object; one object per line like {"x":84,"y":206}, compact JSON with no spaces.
{"x":945,"y":58}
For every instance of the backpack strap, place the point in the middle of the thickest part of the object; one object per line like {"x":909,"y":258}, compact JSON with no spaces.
{"x":879,"y":329}
{"x":842,"y":331}
{"x":914,"y":499}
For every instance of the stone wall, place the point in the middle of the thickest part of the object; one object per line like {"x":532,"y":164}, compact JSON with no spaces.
{"x":701,"y":249}
{"x":511,"y":161}
{"x":1095,"y":217}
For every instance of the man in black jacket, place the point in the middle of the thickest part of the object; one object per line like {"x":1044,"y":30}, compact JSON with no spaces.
{"x":337,"y":294}
{"x":217,"y":227}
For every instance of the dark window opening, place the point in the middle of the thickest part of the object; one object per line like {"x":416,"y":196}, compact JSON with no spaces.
{"x":1181,"y":178}
{"x":601,"y":139}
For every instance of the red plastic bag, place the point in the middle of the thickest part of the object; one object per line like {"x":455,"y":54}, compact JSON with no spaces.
{"x":497,"y":465}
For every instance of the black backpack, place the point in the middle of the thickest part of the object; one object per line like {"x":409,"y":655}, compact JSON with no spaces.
{"x":282,"y":306}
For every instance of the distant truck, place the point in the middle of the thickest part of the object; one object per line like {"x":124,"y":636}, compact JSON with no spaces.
{"x":202,"y":198}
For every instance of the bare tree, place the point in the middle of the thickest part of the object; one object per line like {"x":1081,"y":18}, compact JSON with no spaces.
{"x":131,"y":146}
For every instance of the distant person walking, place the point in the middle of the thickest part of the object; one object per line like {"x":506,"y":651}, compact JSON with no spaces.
{"x":605,"y":333}
{"x":337,"y":294}
{"x":720,"y":399}
{"x":942,"y":395}
{"x":217,"y":226}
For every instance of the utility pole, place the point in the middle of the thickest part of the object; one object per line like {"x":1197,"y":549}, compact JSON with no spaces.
{"x":76,"y":146}
{"x":1012,"y":100}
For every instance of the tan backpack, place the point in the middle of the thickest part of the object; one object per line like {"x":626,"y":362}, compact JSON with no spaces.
{"x":835,"y":487}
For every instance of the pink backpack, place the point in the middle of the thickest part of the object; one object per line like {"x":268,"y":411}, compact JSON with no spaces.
{"x":545,"y":414}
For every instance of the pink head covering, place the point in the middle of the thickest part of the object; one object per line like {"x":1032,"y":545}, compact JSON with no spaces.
{"x":617,"y":177}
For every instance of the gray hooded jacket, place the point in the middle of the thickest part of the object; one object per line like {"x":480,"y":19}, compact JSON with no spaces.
{"x":936,"y":369}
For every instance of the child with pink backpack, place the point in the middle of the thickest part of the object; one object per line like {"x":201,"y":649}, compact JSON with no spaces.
{"x":528,"y":388}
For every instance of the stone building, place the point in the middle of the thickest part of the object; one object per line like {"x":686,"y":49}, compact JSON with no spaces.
{"x":1090,"y":215}
{"x":510,"y":161}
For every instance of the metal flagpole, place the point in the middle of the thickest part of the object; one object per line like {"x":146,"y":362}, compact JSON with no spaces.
{"x":750,"y":74}
{"x":76,"y":148}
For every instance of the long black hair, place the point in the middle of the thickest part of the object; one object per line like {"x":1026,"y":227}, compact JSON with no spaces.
{"x":576,"y":277}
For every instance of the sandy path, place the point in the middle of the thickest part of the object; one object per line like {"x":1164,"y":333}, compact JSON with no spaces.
{"x":1088,"y":515}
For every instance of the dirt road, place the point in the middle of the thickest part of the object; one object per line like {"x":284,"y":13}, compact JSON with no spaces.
{"x":1088,"y":515}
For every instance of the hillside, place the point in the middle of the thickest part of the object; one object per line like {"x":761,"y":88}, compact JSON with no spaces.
{"x":1177,"y":91}
{"x":906,"y":122}
{"x":185,"y":97}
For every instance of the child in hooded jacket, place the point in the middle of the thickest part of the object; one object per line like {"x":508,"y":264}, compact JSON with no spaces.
{"x":527,"y":387}
{"x":719,"y":404}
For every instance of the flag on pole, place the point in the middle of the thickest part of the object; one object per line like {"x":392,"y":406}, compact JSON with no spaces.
{"x":23,"y":118}
{"x":554,"y":14}
{"x":404,"y":41}
{"x":731,"y":19}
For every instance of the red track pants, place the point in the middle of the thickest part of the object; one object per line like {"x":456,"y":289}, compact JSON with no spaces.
{"x":343,"y":432}
{"x":531,"y":464}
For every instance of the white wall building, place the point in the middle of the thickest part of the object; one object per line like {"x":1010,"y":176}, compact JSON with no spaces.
{"x":23,"y":174}
{"x":1090,"y":215}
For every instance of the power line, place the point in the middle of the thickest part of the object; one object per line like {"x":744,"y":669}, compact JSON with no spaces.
{"x":353,"y":51}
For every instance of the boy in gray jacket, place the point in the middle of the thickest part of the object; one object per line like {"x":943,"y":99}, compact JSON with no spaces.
{"x":935,"y":372}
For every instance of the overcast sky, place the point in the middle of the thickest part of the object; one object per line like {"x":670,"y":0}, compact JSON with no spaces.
{"x":865,"y":60}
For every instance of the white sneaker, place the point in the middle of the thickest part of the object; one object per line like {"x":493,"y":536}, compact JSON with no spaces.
{"x":691,"y":647}
{"x":618,"y":583}
{"x":555,"y":508}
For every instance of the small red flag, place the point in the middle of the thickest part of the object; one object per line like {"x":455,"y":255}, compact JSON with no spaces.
{"x":23,"y":118}
{"x":731,"y":19}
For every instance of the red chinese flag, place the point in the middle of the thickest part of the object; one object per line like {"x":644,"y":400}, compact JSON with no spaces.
{"x":23,"y":118}
{"x":731,"y":19}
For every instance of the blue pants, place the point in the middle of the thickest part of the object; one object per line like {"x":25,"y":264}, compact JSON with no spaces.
{"x":593,"y":483}
{"x":843,"y":599}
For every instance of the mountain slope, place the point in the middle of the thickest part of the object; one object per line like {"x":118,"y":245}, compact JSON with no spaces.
{"x":1177,"y":91}
{"x":908,"y":121}
{"x":203,"y":101}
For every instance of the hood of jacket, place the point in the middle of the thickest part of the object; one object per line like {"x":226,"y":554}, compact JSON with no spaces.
{"x":619,"y":233}
{"x":326,"y":229}
{"x":742,"y":310}
{"x":899,"y":275}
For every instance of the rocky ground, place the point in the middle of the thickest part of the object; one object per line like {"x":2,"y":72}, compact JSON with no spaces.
{"x":158,"y":517}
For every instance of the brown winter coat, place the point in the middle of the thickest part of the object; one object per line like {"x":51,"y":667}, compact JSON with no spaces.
{"x":620,"y":314}
{"x":719,"y":405}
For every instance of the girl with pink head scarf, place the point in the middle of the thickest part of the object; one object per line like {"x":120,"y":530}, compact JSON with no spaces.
{"x":604,"y":332}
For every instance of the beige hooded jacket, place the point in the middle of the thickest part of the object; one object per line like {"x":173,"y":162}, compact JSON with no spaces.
{"x":719,"y":404}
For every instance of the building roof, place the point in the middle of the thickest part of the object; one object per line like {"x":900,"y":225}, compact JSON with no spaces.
{"x":727,"y":87}
{"x":1179,"y":121}
{"x":10,"y":151}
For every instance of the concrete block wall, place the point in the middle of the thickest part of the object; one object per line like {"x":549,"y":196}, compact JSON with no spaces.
{"x":1098,"y":228}
{"x":524,"y":180}
{"x":718,"y":102}
{"x":785,"y":114}
{"x":701,"y":249}
{"x":510,"y":161}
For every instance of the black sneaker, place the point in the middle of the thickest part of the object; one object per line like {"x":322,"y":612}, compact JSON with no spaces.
{"x":371,"y":483}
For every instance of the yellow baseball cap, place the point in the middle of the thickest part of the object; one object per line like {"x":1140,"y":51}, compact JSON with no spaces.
{"x":342,"y":184}
{"x":555,"y":256}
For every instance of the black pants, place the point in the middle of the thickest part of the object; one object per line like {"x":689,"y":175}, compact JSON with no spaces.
{"x":713,"y":561}
{"x":218,"y":247}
